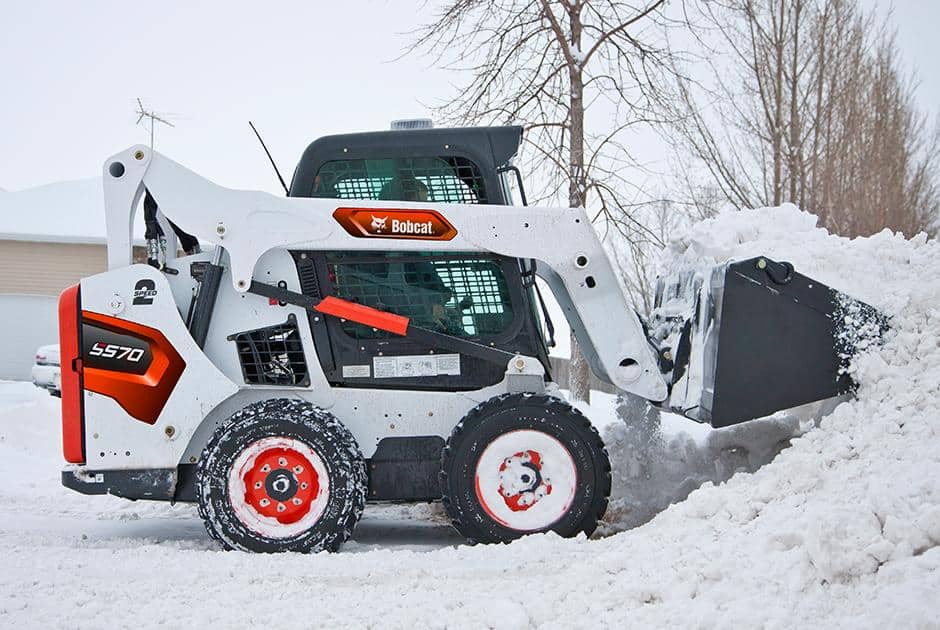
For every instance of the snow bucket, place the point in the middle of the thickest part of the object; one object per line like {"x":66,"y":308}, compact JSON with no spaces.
{"x":756,"y":337}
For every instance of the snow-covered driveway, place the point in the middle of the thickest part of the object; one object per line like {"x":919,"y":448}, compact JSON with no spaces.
{"x":841,"y":530}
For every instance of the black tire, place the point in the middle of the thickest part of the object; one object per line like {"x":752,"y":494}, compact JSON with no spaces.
{"x":310,"y":429}
{"x":505,"y":414}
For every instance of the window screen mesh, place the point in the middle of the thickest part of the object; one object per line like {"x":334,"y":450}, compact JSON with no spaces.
{"x":434,"y":179}
{"x":467,"y":297}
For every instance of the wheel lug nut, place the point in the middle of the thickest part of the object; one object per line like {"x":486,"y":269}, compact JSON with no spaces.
{"x":295,"y":501}
{"x":257,"y":485}
{"x":303,"y":486}
{"x":282,"y":461}
{"x":265,"y":468}
{"x":298,"y":469}
{"x":264,"y":503}
{"x":280,"y":507}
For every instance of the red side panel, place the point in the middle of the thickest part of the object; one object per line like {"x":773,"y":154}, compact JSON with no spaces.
{"x":365,"y":315}
{"x":73,"y":430}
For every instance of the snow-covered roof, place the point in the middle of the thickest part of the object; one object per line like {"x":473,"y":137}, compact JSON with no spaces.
{"x":61,"y":212}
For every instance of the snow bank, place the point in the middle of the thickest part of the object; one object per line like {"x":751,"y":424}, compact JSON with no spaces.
{"x":845,"y":522}
{"x":840,"y":530}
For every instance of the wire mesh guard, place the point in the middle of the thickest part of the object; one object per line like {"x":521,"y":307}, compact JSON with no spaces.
{"x":450,"y":179}
{"x":467,"y":297}
{"x":273,"y":355}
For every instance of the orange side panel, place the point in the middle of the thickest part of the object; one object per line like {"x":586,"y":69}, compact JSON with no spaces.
{"x":73,"y":430}
{"x":141,"y":395}
{"x":365,"y":315}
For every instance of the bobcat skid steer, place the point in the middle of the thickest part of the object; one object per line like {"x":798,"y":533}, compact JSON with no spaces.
{"x":378,"y":335}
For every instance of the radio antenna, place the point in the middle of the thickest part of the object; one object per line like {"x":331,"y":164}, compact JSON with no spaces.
{"x":154,"y":118}
{"x":286,"y":190}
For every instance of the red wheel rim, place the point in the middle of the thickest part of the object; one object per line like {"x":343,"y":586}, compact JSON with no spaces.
{"x":526,"y":480}
{"x":278,"y":487}
{"x":281,"y":484}
{"x":522,"y":484}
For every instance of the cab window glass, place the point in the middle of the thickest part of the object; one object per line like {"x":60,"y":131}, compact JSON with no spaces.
{"x":434,"y":179}
{"x":462,"y":296}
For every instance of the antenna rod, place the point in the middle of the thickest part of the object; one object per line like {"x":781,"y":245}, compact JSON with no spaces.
{"x":286,"y":189}
{"x":153,"y":119}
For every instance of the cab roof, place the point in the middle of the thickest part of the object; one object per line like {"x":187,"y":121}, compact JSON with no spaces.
{"x":488,"y":147}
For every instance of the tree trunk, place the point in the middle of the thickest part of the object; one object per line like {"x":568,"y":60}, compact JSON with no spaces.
{"x":579,"y":373}
{"x":778,"y":44}
{"x":795,"y":150}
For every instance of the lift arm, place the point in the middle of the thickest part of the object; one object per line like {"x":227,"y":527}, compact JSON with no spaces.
{"x":248,"y":224}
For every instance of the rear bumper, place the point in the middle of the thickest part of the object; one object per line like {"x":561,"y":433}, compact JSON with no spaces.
{"x":46,"y":377}
{"x":73,"y":413}
{"x":157,"y":484}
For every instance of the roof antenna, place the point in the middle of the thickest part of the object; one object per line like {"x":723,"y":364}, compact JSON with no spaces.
{"x":154,"y":118}
{"x":286,"y":190}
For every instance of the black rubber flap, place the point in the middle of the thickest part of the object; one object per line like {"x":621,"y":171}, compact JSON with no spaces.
{"x":783,"y":340}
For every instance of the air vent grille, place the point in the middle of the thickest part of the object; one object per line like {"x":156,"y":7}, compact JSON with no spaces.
{"x":273,"y":355}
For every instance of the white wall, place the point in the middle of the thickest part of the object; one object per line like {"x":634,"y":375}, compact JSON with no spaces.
{"x":26,"y":322}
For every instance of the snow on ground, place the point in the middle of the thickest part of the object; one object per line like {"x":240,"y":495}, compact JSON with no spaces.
{"x":840,"y":530}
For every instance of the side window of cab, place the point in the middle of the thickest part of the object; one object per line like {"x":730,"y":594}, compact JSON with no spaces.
{"x":459,"y":294}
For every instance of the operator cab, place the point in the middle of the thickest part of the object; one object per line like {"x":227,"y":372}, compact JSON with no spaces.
{"x":484,"y":298}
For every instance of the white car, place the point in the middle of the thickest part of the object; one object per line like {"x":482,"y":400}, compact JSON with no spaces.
{"x":45,"y":371}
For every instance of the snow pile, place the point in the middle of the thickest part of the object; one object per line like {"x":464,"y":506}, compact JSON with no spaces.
{"x":840,"y":530}
{"x":659,"y":458}
{"x":656,"y":466}
{"x":849,"y":516}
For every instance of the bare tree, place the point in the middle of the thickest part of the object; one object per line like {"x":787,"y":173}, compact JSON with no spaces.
{"x":807,"y":103}
{"x":548,"y":65}
{"x":640,"y":258}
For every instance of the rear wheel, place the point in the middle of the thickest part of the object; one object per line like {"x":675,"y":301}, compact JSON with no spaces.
{"x":521,"y":463}
{"x":281,"y":475}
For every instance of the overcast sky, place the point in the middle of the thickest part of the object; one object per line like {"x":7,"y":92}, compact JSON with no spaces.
{"x":70,"y":73}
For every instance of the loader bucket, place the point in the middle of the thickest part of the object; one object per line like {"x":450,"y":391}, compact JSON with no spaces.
{"x":762,"y":338}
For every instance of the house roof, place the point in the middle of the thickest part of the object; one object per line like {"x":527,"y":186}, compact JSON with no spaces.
{"x":61,"y":212}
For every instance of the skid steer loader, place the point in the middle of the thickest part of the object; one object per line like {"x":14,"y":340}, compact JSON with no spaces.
{"x":378,"y":335}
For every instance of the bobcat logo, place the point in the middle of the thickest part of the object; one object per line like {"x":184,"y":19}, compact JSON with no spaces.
{"x":378,"y":223}
{"x":382,"y":223}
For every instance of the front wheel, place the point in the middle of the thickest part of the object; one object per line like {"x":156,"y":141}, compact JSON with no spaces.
{"x":522,"y":463}
{"x":281,"y":475}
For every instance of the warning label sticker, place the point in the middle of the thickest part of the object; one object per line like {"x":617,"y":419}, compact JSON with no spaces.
{"x":416,"y":365}
{"x":356,"y":371}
